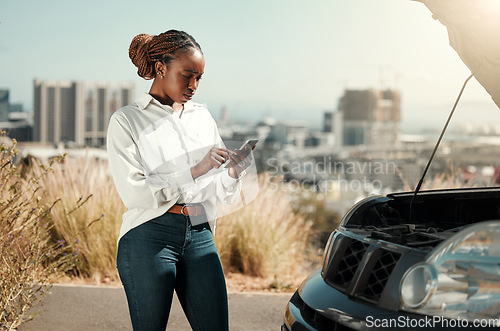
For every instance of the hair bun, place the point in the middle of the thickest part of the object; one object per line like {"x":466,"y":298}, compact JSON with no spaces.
{"x":139,"y":54}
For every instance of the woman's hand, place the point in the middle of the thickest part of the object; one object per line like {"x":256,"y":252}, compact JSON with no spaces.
{"x":239,"y":161}
{"x":212,"y":160}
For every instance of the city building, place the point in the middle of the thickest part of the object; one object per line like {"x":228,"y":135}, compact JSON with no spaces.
{"x":289,"y":133}
{"x":76,"y":113}
{"x":371,"y":117}
{"x":16,"y":123}
{"x":333,"y":127}
{"x":15,"y":108}
{"x":4,"y":105}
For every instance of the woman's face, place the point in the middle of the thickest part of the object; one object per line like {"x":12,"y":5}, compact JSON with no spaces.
{"x":181,"y":77}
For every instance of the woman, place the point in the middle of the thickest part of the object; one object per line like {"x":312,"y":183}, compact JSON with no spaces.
{"x":166,"y":159}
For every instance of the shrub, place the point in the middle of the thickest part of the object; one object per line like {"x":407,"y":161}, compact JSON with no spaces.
{"x":30,"y":260}
{"x":97,"y":223}
{"x":266,"y":237}
{"x":324,"y":220}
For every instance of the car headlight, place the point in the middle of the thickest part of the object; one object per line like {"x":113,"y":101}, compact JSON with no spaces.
{"x":460,"y":279}
{"x":418,"y":285}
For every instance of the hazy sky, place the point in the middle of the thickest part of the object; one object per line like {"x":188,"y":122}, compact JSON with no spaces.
{"x":284,"y":58}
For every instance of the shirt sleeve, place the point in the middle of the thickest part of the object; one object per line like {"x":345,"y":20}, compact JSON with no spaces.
{"x":227,"y":187}
{"x":128,"y":174}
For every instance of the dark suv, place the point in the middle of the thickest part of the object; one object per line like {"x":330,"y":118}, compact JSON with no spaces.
{"x":397,"y":262}
{"x":417,"y":260}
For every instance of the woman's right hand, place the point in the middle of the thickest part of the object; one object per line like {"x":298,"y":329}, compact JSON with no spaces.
{"x":212,"y":160}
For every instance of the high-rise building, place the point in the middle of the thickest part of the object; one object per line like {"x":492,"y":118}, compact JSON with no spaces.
{"x":14,"y":122}
{"x":4,"y":105}
{"x":76,"y":112}
{"x":371,"y":117}
{"x":333,"y":124}
{"x":328,"y":121}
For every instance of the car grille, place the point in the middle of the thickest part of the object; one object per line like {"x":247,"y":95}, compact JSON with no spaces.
{"x":349,"y":263}
{"x":358,"y":268}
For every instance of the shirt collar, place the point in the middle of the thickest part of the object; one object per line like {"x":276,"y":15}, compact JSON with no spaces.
{"x":145,"y":99}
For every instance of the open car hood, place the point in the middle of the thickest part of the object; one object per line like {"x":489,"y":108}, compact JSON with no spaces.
{"x":473,"y":30}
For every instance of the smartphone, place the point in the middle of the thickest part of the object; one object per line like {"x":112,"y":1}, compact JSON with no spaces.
{"x":250,"y":143}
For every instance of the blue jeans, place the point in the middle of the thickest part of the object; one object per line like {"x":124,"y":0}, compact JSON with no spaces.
{"x":168,"y":253}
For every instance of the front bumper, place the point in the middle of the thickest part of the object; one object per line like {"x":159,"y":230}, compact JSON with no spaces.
{"x":318,"y":306}
{"x":314,"y":306}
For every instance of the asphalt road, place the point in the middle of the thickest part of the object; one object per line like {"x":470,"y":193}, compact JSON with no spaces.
{"x":105,"y":308}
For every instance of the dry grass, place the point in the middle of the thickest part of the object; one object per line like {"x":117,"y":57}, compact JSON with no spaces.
{"x":269,"y":239}
{"x":30,"y":259}
{"x":96,"y":223}
{"x":266,"y":238}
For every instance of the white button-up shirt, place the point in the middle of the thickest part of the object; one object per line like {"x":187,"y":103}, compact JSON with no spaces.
{"x":151,"y":151}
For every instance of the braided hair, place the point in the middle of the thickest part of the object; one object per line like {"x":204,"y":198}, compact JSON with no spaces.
{"x":145,"y":50}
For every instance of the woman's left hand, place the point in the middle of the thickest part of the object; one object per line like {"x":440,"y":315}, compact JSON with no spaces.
{"x":239,"y":161}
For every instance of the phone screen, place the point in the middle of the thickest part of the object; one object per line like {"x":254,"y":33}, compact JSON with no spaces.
{"x":250,"y":143}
